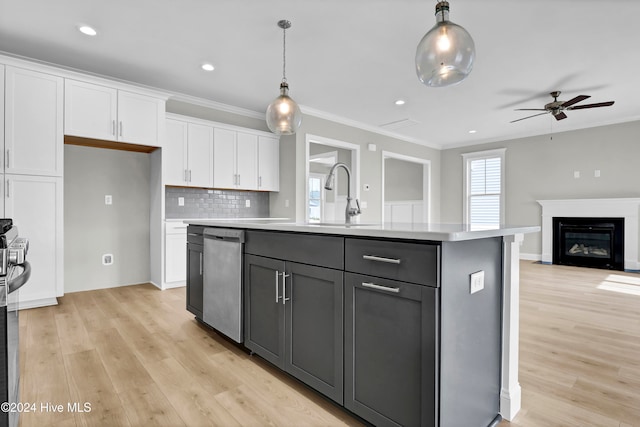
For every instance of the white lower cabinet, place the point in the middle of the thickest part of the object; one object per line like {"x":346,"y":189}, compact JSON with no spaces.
{"x":175,"y":256}
{"x":35,"y":203}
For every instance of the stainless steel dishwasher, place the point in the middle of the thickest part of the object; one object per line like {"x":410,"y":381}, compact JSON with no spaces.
{"x":222,"y":287}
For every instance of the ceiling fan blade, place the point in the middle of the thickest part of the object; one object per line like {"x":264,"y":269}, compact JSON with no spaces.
{"x":530,"y":109}
{"x":528,"y":117}
{"x":575,"y":100}
{"x":599,"y":104}
{"x":560,"y":116}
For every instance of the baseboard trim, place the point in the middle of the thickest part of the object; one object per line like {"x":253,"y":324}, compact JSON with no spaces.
{"x":43,"y":302}
{"x":174,"y":285}
{"x":530,"y":257}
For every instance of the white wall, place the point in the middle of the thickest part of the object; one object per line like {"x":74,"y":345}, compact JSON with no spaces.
{"x":543,"y":168}
{"x":92,"y":228}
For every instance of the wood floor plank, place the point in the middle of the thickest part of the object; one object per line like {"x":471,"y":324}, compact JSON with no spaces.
{"x":195,"y":405}
{"x":148,"y":406}
{"x":123,"y":367}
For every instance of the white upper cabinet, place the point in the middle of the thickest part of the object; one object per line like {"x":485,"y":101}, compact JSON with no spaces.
{"x":224,"y":158}
{"x":268,"y":163}
{"x":33,"y":123}
{"x":2,"y":127}
{"x":188,"y":154}
{"x":247,"y":161}
{"x":235,"y":159}
{"x":200,"y":155}
{"x":101,"y":112}
{"x":174,"y":153}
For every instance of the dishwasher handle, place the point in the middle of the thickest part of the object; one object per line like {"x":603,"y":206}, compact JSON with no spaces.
{"x":226,"y":234}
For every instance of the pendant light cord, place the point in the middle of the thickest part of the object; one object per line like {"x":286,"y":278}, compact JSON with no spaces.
{"x":284,"y":55}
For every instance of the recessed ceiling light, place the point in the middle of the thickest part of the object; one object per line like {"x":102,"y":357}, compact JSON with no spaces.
{"x":473,"y":131}
{"x":400,"y":102}
{"x":208,"y":67}
{"x":85,"y":29}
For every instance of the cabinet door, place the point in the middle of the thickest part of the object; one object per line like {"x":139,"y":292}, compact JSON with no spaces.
{"x":247,"y":161}
{"x":314,"y":327}
{"x":2,"y":126}
{"x":391,"y":351}
{"x":175,"y":261}
{"x":90,"y":110}
{"x":195,"y":279}
{"x":33,"y":123}
{"x":35,"y":204}
{"x":263,"y":308}
{"x":174,"y":157}
{"x":139,"y":118}
{"x":268,"y":164}
{"x":224,"y":158}
{"x":200,"y":155}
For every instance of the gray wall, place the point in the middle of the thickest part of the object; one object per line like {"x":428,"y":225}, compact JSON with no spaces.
{"x":292,"y":167}
{"x":402,"y":180}
{"x":540,"y":168}
{"x":92,"y":228}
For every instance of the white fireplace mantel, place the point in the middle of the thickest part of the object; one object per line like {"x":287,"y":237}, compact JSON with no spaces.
{"x":626,"y":208}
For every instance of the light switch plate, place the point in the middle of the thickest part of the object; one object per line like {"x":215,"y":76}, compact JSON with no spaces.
{"x":108,"y":199}
{"x":477,"y":282}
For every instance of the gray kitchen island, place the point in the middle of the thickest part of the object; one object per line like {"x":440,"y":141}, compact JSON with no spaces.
{"x":403,"y":324}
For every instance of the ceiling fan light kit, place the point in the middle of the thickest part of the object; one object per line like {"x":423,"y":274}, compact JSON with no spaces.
{"x":445,"y":54}
{"x":283,"y":114}
{"x":558,"y":108}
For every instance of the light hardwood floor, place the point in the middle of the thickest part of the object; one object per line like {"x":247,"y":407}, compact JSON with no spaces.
{"x":139,"y":358}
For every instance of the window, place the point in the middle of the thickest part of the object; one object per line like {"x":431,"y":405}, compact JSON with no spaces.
{"x":315,"y":198}
{"x":484,"y":188}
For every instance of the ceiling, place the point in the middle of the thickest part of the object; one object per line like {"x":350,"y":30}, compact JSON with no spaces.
{"x":353,"y":58}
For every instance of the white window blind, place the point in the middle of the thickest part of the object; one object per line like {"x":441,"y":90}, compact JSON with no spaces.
{"x":484,"y":191}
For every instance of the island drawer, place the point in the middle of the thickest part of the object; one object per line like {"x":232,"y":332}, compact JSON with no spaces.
{"x":404,"y":261}
{"x":194,"y":234}
{"x":312,"y":249}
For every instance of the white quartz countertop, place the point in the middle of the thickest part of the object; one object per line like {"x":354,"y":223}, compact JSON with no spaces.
{"x":431,"y":231}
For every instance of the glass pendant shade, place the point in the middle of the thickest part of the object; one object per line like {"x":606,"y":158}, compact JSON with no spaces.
{"x":446,"y":53}
{"x":283,"y":114}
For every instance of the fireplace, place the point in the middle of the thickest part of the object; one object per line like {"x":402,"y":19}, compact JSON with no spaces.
{"x":589,"y":242}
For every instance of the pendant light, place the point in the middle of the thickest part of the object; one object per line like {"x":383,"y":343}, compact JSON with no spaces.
{"x":283,"y":114}
{"x":446,"y":53}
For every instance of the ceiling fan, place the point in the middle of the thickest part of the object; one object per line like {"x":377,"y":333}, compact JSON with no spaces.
{"x":557,"y":108}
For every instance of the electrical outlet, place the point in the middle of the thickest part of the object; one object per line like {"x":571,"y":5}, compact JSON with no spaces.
{"x":476,"y":282}
{"x":596,"y":173}
{"x":180,"y":201}
{"x":364,"y":205}
{"x":108,"y":199}
{"x":107,"y":259}
{"x":576,"y":174}
{"x":247,"y":203}
{"x":286,"y":203}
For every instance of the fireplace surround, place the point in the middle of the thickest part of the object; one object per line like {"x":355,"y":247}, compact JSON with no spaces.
{"x":627,"y":208}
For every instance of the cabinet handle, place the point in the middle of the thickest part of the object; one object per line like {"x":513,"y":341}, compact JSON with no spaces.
{"x":7,"y":157}
{"x":277,"y":296}
{"x":284,"y":288}
{"x":113,"y":127}
{"x":201,"y":263}
{"x":238,"y":179}
{"x":380,"y":288}
{"x":189,"y":175}
{"x":8,"y":189}
{"x":121,"y":128}
{"x":381,"y":259}
{"x":259,"y":181}
{"x":185,"y":176}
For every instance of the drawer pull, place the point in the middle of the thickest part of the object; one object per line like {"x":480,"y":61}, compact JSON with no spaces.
{"x":381,"y":259}
{"x":380,"y":288}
